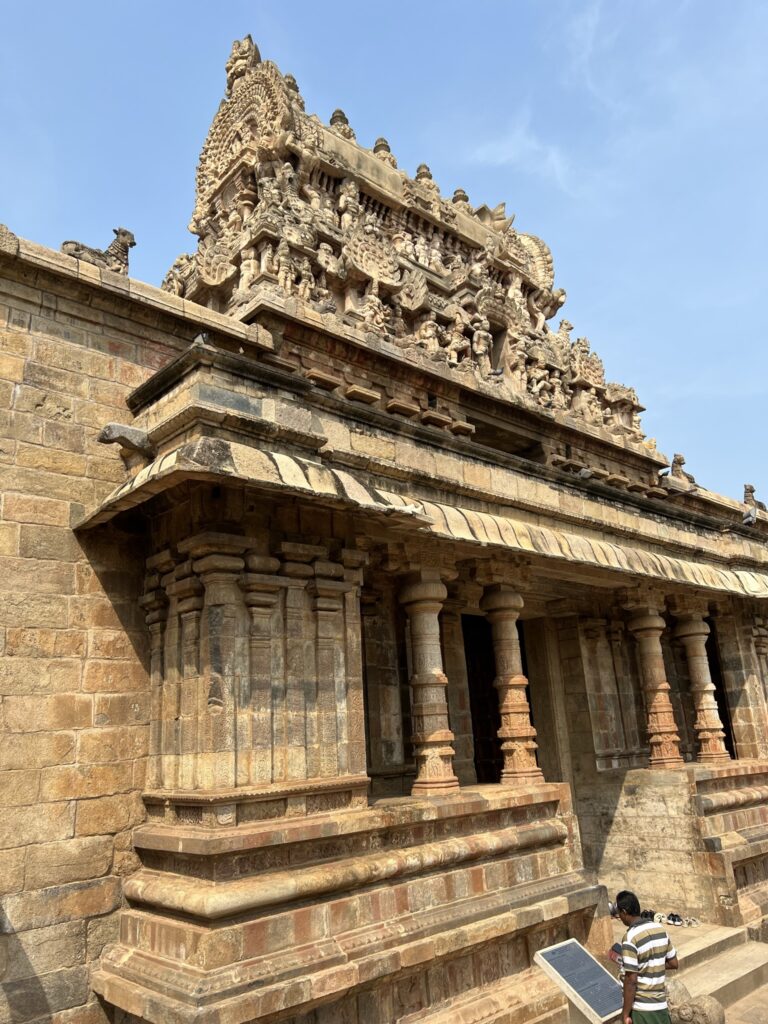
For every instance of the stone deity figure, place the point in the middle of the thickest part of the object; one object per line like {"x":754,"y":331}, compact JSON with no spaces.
{"x":538,"y":379}
{"x":458,"y":344}
{"x":396,"y":319}
{"x":403,"y":244}
{"x":421,"y":250}
{"x":306,"y":280}
{"x":435,"y":254}
{"x":586,"y":404}
{"x":372,"y":309}
{"x":286,"y":272}
{"x":349,"y":205}
{"x":428,"y":337}
{"x":559,"y":396}
{"x":482,"y":344}
{"x":329,"y":262}
{"x":266,"y":259}
{"x":517,"y":373}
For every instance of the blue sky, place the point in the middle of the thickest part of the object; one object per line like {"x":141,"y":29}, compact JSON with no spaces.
{"x":631,"y":136}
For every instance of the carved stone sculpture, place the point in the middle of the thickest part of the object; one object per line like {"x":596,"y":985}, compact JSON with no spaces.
{"x":128,"y":437}
{"x":685,"y":1009}
{"x":677,"y":472}
{"x":114,"y":257}
{"x":749,"y":498}
{"x":281,"y":206}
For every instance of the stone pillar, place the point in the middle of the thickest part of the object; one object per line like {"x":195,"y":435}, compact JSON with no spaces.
{"x":355,"y":760}
{"x":217,"y":561}
{"x":646,"y":625}
{"x":432,"y":738}
{"x":189,"y":593}
{"x":602,"y":694}
{"x":261,"y":589}
{"x":459,"y":709}
{"x":692,"y":631}
{"x":155,"y":605}
{"x":502,"y":604}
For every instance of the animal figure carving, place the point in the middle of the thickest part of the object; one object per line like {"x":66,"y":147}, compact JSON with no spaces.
{"x":114,"y":257}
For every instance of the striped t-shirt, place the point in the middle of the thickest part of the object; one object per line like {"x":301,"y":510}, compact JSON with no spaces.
{"x":645,"y":949}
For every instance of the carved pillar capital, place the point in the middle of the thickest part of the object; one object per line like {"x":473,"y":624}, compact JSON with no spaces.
{"x":501,"y":599}
{"x":426,"y":590}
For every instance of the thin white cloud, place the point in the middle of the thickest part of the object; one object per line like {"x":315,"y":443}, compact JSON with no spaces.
{"x":520,"y":147}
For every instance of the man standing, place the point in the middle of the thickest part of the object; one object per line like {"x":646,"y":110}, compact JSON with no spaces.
{"x":647,"y":953}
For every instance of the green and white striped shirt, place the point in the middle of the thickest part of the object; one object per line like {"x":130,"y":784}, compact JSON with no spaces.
{"x":645,"y":949}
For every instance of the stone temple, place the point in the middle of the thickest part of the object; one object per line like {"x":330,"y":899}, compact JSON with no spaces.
{"x":354,"y":636}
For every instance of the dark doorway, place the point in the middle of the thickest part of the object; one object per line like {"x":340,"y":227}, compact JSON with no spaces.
{"x":715,"y":670}
{"x":483,"y":700}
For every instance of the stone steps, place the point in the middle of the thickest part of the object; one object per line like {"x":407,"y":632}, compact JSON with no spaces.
{"x":731,"y":975}
{"x":752,"y":1009}
{"x":721,"y":962}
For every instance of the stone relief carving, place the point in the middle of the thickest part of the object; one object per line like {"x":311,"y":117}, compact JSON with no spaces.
{"x":281,"y":208}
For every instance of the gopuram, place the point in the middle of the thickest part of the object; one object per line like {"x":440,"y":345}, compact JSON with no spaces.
{"x":354,"y":636}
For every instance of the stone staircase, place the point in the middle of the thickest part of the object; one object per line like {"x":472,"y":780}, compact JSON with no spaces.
{"x":724,"y":963}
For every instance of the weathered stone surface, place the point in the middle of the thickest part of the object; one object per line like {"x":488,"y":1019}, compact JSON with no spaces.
{"x":350,"y":551}
{"x":75,"y":860}
{"x":60,"y":903}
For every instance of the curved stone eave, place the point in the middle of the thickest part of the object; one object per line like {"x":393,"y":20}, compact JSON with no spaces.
{"x":220,"y":461}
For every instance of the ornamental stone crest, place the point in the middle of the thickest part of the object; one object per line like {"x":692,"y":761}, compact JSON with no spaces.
{"x":290,"y":207}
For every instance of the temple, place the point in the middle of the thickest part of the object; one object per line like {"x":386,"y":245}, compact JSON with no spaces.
{"x":355,"y":637}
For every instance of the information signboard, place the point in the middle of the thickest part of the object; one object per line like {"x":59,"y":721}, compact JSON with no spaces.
{"x":586,"y":983}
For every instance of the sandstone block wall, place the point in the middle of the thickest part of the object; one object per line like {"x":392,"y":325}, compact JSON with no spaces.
{"x":73,"y":683}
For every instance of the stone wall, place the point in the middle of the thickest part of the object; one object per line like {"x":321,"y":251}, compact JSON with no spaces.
{"x":74,"y":699}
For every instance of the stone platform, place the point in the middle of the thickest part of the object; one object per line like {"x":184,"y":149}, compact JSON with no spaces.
{"x":388,"y":913}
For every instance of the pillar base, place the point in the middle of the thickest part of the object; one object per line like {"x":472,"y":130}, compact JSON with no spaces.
{"x":718,"y":758}
{"x":524,"y":778}
{"x":666,"y":762}
{"x":429,"y":788}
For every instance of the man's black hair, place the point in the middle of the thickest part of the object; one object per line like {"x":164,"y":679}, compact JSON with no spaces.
{"x":628,"y":902}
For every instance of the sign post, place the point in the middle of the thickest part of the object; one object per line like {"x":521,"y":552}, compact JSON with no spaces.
{"x":591,"y":989}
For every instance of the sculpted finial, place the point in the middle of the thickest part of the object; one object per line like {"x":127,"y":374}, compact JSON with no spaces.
{"x":245,"y":54}
{"x":340,"y":124}
{"x":383,"y":152}
{"x":461,"y":199}
{"x":423,"y":173}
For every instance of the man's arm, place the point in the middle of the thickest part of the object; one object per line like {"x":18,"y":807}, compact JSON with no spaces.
{"x":630,"y":989}
{"x":672,"y":963}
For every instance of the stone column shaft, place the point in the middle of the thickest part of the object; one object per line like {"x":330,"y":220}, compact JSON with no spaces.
{"x":692,"y":631}
{"x":647,"y":626}
{"x":219,"y":574}
{"x":432,"y":737}
{"x":502,"y":604}
{"x":155,"y":609}
{"x":261,"y":589}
